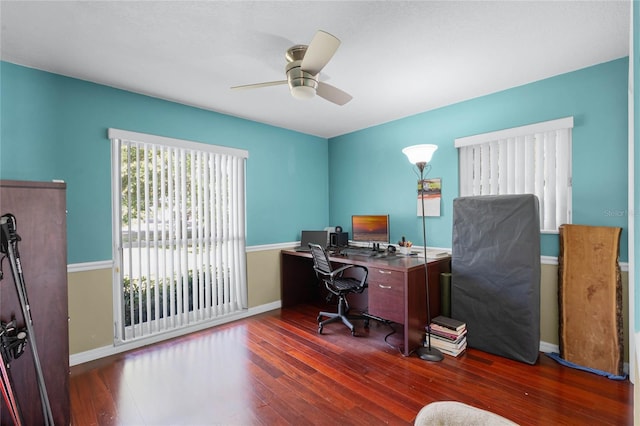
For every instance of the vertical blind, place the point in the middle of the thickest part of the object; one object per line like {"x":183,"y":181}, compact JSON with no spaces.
{"x":533,"y":159}
{"x":178,"y":232}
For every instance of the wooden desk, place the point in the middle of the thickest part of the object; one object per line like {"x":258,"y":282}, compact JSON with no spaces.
{"x":396,"y":288}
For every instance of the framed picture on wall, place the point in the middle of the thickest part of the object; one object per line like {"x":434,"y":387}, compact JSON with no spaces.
{"x":429,"y":193}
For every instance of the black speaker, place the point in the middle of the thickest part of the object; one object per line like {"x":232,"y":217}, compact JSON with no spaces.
{"x":339,"y":239}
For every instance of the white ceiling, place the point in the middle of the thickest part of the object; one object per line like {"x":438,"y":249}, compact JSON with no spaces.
{"x":396,"y":59}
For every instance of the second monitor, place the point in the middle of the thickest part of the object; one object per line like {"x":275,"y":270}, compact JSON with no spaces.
{"x":370,"y":228}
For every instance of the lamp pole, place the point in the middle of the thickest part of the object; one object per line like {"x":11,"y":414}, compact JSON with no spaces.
{"x":420,"y":155}
{"x":428,"y":353}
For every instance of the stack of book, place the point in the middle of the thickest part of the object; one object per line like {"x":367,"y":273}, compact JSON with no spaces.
{"x":449,"y":335}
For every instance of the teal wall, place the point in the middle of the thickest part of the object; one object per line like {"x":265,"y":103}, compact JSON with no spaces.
{"x":54,"y":127}
{"x":370,"y":175}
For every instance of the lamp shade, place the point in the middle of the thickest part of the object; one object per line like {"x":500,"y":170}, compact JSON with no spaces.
{"x":420,"y":153}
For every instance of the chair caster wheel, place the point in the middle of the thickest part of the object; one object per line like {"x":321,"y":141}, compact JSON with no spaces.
{"x":320,"y":330}
{"x":353,"y":333}
{"x":319,"y":318}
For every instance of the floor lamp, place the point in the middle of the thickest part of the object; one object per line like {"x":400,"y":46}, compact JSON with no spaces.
{"x":420,"y":155}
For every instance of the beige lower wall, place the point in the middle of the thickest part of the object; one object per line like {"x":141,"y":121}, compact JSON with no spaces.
{"x":91,"y":307}
{"x":90,"y":310}
{"x":263,"y":277}
{"x":549,"y":304}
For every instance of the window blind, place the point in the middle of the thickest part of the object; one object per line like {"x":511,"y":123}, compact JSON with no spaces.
{"x":533,"y":159}
{"x":178,"y":232}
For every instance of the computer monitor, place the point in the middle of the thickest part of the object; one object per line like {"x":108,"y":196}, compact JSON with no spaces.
{"x":370,"y":228}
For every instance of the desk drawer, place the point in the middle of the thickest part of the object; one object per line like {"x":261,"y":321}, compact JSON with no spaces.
{"x":386,"y":294}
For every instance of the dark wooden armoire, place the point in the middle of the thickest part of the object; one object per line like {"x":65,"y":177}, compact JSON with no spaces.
{"x":40,"y":212}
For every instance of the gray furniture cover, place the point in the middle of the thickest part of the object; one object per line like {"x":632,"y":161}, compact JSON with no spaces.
{"x":495,"y":266}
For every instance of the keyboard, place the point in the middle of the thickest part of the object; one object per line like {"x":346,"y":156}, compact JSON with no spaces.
{"x":358,"y":252}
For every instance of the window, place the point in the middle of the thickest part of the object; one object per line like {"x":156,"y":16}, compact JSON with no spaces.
{"x":533,"y":159}
{"x":178,"y":233}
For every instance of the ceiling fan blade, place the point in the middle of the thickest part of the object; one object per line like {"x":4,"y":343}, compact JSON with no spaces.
{"x":258,"y":85}
{"x":333,"y":94}
{"x":319,"y":52}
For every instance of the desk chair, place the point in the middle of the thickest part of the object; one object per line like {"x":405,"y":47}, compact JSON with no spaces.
{"x":339,"y":286}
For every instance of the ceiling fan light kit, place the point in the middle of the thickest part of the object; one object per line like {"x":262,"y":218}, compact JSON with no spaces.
{"x":304,"y":64}
{"x":303,"y":92}
{"x":302,"y":84}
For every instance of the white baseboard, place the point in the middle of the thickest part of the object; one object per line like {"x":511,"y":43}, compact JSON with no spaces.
{"x":548,"y":347}
{"x":105,"y":351}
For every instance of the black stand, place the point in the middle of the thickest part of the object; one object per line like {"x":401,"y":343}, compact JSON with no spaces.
{"x":9,"y":245}
{"x":427,"y":353}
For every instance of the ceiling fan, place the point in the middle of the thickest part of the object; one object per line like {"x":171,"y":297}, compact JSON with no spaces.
{"x":304,"y":64}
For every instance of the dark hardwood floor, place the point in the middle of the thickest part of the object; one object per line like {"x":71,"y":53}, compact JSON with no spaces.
{"x":275,"y":369}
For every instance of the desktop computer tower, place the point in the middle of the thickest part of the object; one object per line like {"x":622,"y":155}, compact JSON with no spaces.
{"x":338,"y":239}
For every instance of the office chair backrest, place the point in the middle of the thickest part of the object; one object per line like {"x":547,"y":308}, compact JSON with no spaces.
{"x":320,"y":259}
